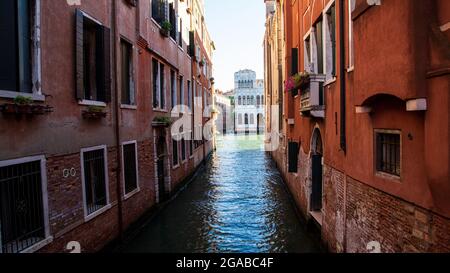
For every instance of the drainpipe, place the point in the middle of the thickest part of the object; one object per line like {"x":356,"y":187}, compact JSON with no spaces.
{"x":343,"y":137}
{"x":117,"y":117}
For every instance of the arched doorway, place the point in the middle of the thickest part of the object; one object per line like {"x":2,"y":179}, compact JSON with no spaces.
{"x":316,"y":171}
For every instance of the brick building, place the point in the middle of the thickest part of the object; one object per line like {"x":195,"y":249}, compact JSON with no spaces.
{"x":364,"y":140}
{"x":86,"y":92}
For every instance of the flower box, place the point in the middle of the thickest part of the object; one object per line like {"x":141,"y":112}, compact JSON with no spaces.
{"x":25,"y":109}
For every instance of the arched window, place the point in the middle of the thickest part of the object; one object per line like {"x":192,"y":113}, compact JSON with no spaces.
{"x":239,"y":100}
{"x":252,"y":119}
{"x":240,"y":119}
{"x":246,"y":119}
{"x":258,"y":100}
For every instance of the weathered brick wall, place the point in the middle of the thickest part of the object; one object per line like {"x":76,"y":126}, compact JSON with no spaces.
{"x":355,"y":214}
{"x":333,"y":227}
{"x":398,"y":225}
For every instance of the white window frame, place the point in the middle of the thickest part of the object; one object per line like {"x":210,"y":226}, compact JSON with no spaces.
{"x":138,"y":189}
{"x":36,"y":62}
{"x":48,"y":238}
{"x":351,"y":47}
{"x":88,"y":217}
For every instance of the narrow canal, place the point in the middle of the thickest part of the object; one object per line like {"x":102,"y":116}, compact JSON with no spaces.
{"x":238,"y":204}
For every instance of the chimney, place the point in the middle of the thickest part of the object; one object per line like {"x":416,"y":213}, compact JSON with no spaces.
{"x":270,"y":7}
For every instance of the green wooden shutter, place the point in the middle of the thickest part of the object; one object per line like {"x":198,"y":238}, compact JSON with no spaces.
{"x":79,"y":55}
{"x":294,"y":61}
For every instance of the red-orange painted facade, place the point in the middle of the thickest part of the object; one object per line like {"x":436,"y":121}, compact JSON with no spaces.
{"x":395,"y":77}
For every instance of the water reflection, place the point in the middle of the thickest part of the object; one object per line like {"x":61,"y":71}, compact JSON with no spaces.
{"x":237,"y":205}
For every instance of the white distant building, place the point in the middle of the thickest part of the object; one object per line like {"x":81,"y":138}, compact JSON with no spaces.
{"x":224,"y":121}
{"x":249,"y":100}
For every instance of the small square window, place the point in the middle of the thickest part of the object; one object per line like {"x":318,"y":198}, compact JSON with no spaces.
{"x":388,"y":156}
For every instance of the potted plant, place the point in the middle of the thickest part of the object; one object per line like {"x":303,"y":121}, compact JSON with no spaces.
{"x":94,"y":112}
{"x":162,"y":121}
{"x":296,"y":82}
{"x":202,"y":62}
{"x":166,"y":27}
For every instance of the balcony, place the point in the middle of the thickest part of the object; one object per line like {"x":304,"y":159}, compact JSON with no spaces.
{"x":312,"y":101}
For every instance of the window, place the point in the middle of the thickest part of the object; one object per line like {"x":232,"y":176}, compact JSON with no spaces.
{"x":173,"y":88}
{"x":246,"y":119}
{"x":95,"y":179}
{"x":159,"y":10}
{"x":175,"y":152}
{"x":162,"y":87}
{"x":307,"y":60}
{"x":23,"y":222}
{"x":351,"y":58}
{"x":388,"y":152}
{"x":318,"y":48}
{"x":330,"y":42}
{"x":92,"y":60}
{"x":130,"y":167}
{"x":183,"y":149}
{"x":181,"y":84}
{"x":189,"y":95}
{"x":127,"y":78}
{"x":15,"y":49}
{"x":158,"y":85}
{"x":239,"y":100}
{"x":180,"y":34}
{"x":173,"y":21}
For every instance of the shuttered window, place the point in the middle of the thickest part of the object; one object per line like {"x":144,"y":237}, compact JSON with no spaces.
{"x":93,"y":68}
{"x":21,"y":207}
{"x":162,"y":87}
{"x":15,"y":48}
{"x":294,"y":61}
{"x":127,"y":78}
{"x":130,"y":167}
{"x":293,"y":149}
{"x":155,"y":83}
{"x":159,"y":10}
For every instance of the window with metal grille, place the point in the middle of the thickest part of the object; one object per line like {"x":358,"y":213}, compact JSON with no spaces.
{"x":388,"y":153}
{"x":21,"y":207}
{"x":130,"y":167}
{"x":94,"y":180}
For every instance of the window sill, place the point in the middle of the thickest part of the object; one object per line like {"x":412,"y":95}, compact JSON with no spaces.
{"x":128,"y":106}
{"x":131,"y":194}
{"x":92,"y":103}
{"x":176,"y":166}
{"x":13,"y":94}
{"x":97,"y":213}
{"x":329,"y":82}
{"x":160,"y":110}
{"x":350,"y":69}
{"x":388,"y":176}
{"x":38,"y":245}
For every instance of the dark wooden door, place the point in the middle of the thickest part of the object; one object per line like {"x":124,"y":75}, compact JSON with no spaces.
{"x":316,"y":195}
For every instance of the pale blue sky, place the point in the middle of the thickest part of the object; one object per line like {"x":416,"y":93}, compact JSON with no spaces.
{"x":237,"y":29}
